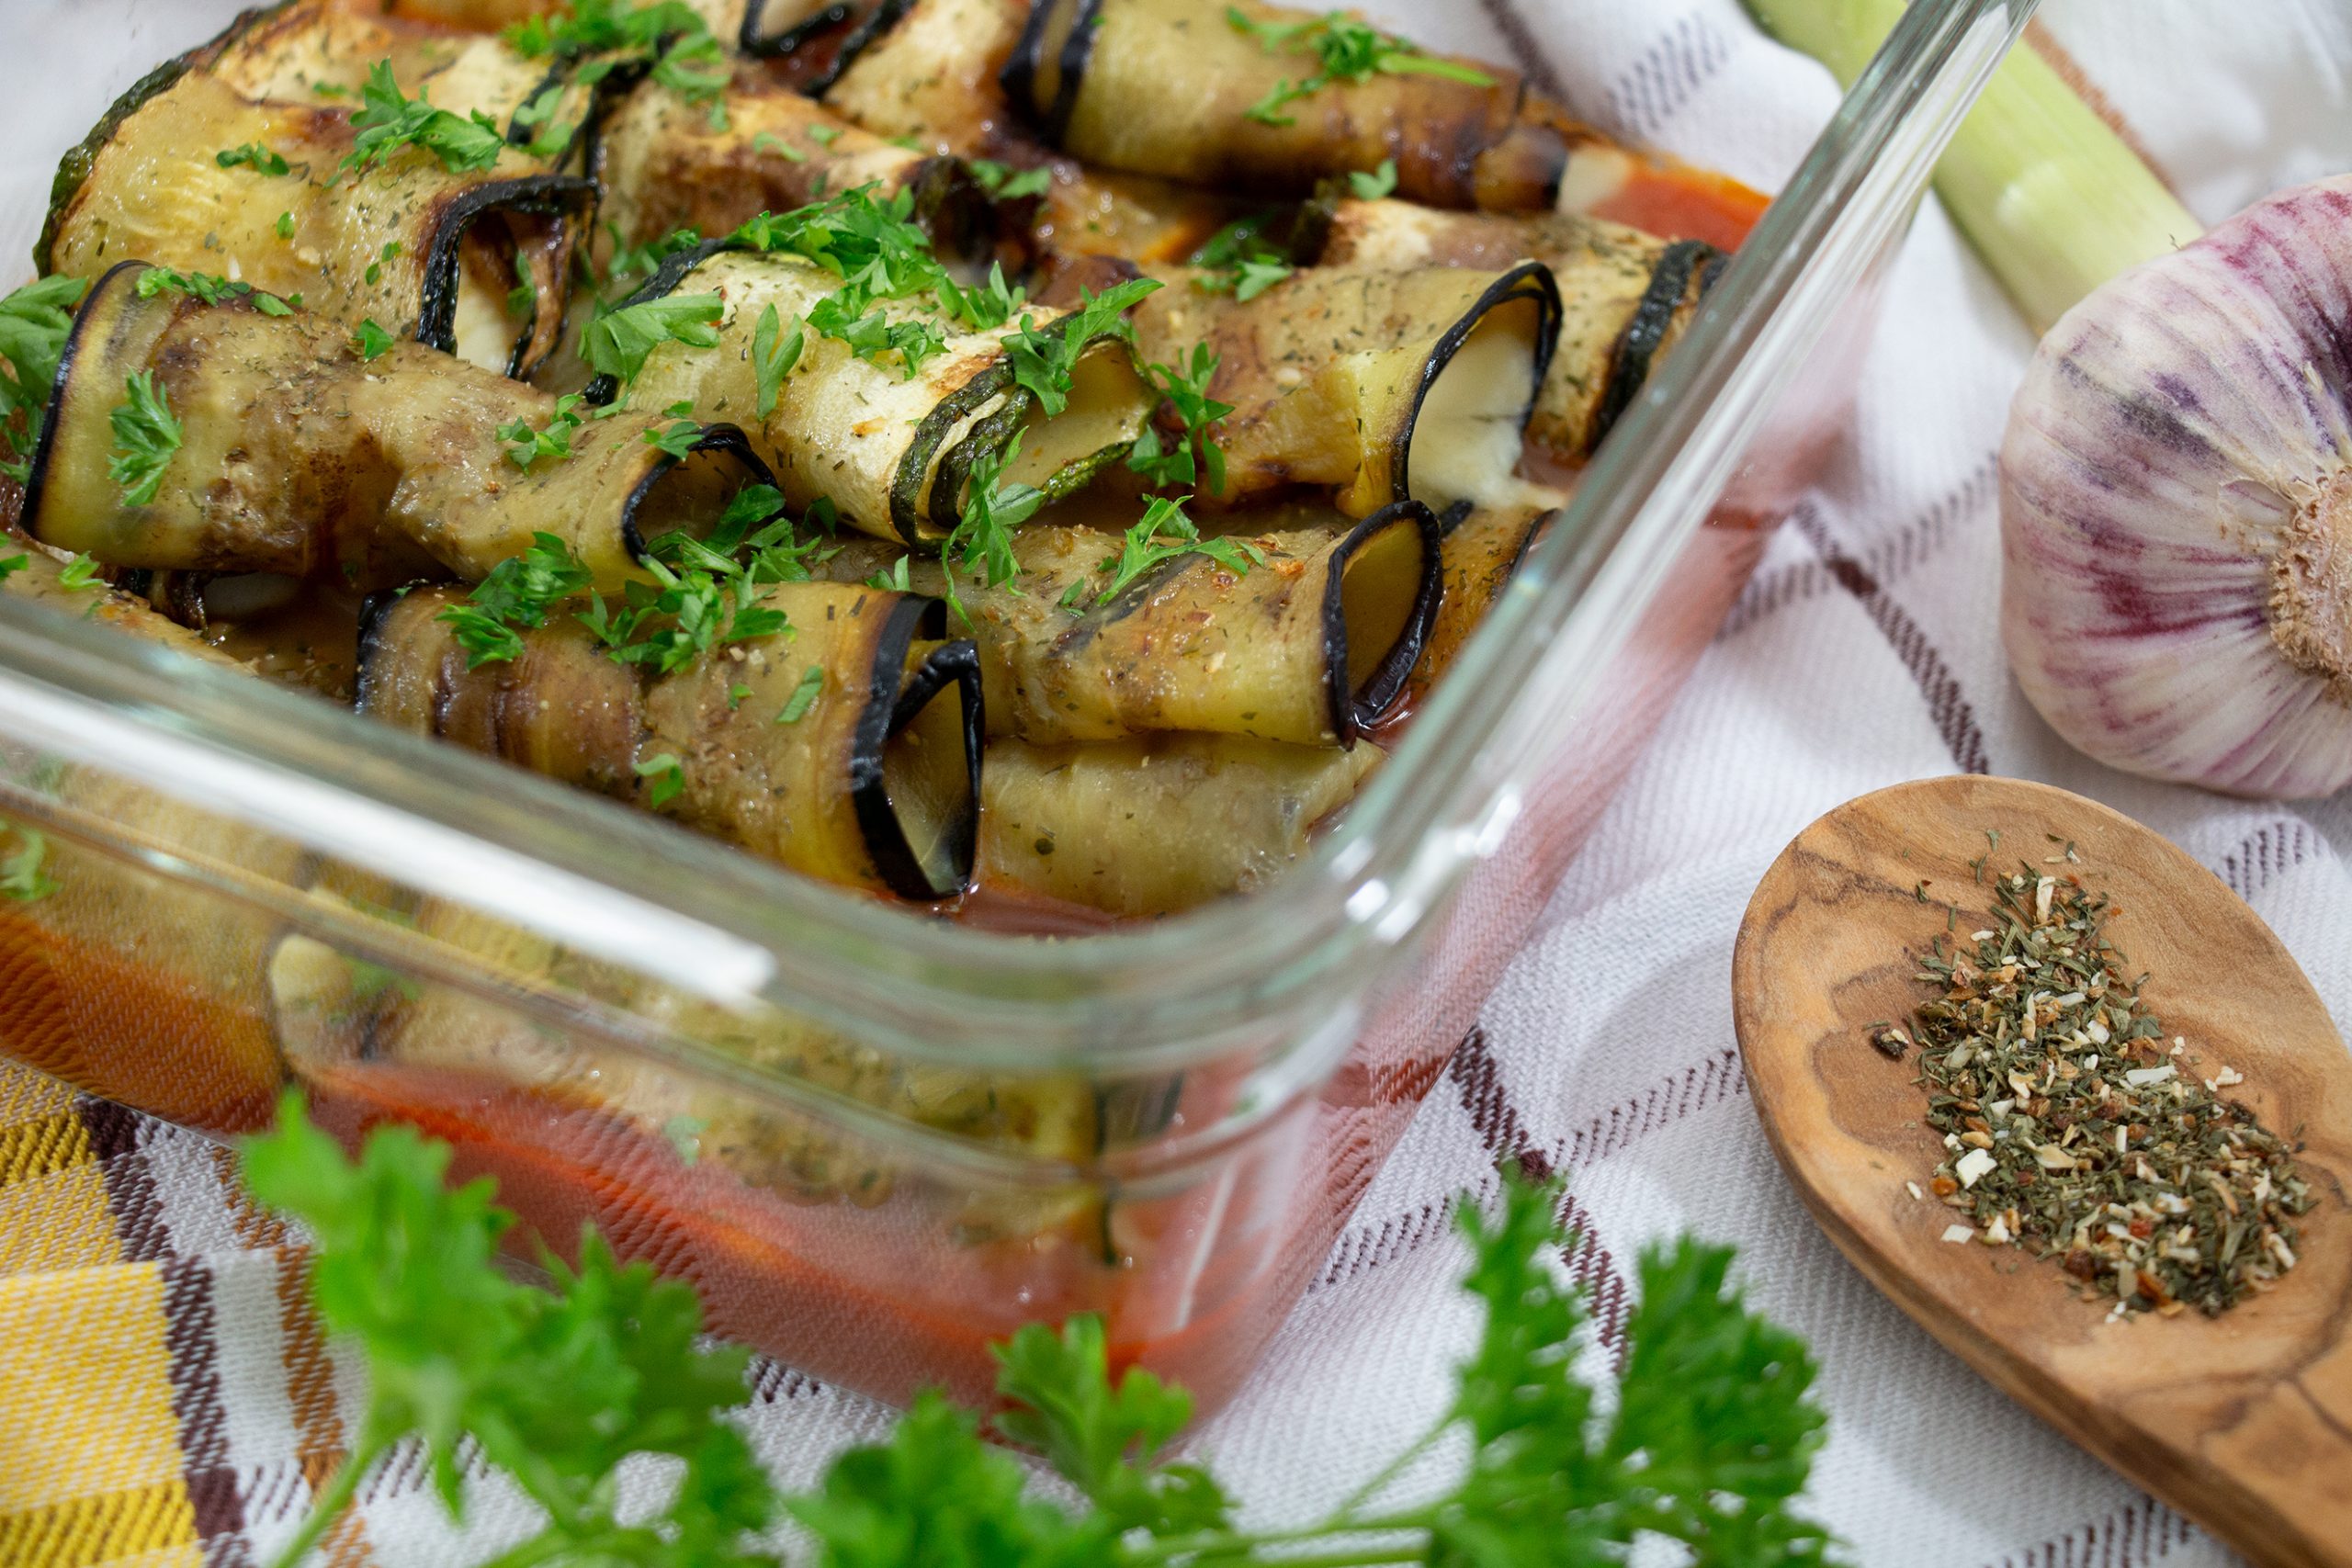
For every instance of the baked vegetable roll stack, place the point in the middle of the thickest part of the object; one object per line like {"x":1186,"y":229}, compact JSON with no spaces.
{"x":272,"y":445}
{"x":472,"y":260}
{"x":1625,"y":297}
{"x":933,"y":77}
{"x":1238,"y":96}
{"x":1483,"y":548}
{"x":847,"y":747}
{"x":1157,"y":824}
{"x":892,"y":452}
{"x":1310,"y":646}
{"x":1380,"y":385}
{"x":666,"y":166}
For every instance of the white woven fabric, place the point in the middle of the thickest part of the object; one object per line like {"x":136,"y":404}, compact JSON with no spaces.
{"x":1865,"y":652}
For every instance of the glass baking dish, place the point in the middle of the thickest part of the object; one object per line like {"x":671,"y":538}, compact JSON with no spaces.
{"x":874,"y":1140}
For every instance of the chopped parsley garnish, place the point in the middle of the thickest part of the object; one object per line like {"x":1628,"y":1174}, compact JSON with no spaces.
{"x":1164,"y":534}
{"x":526,"y":445}
{"x":1008,"y":184}
{"x":81,"y":574}
{"x":773,"y":356}
{"x":618,"y":341}
{"x":13,"y":565}
{"x":676,"y":440}
{"x":1381,"y":182}
{"x":668,"y":36}
{"x":1042,"y":361}
{"x":22,"y":878}
{"x":34,"y":321}
{"x":879,"y":254}
{"x":375,"y":273}
{"x":517,"y":592}
{"x":204,"y":287}
{"x":630,"y":263}
{"x":803,"y":695}
{"x":255,"y":156}
{"x":1193,"y":457}
{"x":769,"y":142}
{"x":981,"y":541}
{"x":371,"y":341}
{"x":523,"y":299}
{"x":668,"y":775}
{"x":1703,"y":1436}
{"x":1239,"y":261}
{"x":550,"y":137}
{"x":990,"y":305}
{"x":893,"y":579}
{"x":285,"y":225}
{"x":824,"y":135}
{"x":145,"y":437}
{"x":1346,"y":50}
{"x":388,"y":122}
{"x":703,"y":593}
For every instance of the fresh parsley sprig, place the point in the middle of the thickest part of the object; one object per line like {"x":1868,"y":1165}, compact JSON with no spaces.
{"x":1044,"y":360}
{"x":390,"y":120}
{"x":1238,"y":260}
{"x":1164,"y":534}
{"x":517,"y":592}
{"x":617,"y":343}
{"x":1708,"y":1444}
{"x":981,"y":541}
{"x":667,"y":39}
{"x":34,"y":322}
{"x":1193,"y":457}
{"x":1347,"y":49}
{"x":705,"y":592}
{"x":146,"y":434}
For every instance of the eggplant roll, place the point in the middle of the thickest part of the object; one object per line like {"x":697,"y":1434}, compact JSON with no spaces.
{"x":1312,"y":646}
{"x":664,"y":166}
{"x":1165,"y":87}
{"x":893,"y":455}
{"x":1483,"y":548}
{"x":1159,"y":823}
{"x":1626,"y":295}
{"x":422,"y":253}
{"x":933,"y":78}
{"x":875,"y":783}
{"x":315,"y":51}
{"x":297,"y":456}
{"x":1382,"y":386}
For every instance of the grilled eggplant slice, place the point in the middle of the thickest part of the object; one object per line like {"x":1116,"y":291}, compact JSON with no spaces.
{"x":933,"y":79}
{"x":1157,"y":824}
{"x":299,"y":458}
{"x":1626,"y":295}
{"x":1382,"y":386}
{"x":1482,"y":550}
{"x":1165,"y":86}
{"x":666,"y":166}
{"x":424,"y":253}
{"x":891,"y":453}
{"x":1311,"y":647}
{"x":875,"y":783}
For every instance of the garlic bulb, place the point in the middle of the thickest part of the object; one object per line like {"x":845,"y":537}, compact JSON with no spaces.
{"x":2176,"y":509}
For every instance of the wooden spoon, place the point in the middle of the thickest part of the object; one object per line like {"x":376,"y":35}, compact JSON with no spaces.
{"x":2243,"y":1422}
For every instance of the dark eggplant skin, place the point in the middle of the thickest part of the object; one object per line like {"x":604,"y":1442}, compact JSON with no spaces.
{"x":890,"y":710}
{"x":1022,"y":69}
{"x":567,"y":196}
{"x":1528,"y":280}
{"x":1356,"y":708}
{"x":1683,"y":263}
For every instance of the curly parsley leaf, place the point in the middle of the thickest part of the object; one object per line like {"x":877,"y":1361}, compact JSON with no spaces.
{"x":1044,"y":361}
{"x":519,"y":591}
{"x":389,"y":120}
{"x":1346,"y":50}
{"x":145,"y":437}
{"x":34,"y":322}
{"x":1381,"y":182}
{"x":617,"y":343}
{"x":1193,"y":457}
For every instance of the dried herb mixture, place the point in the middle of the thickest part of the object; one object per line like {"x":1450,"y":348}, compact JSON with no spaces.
{"x":2075,"y":1129}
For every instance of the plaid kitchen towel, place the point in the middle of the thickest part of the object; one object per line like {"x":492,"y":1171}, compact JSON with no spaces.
{"x":165,"y":1396}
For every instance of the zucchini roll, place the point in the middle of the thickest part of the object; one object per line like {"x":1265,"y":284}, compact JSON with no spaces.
{"x":1157,"y":824}
{"x":293,"y":455}
{"x":847,"y":747}
{"x":1483,"y":548}
{"x":892,"y":454}
{"x":664,"y":166}
{"x":1202,"y":91}
{"x":1626,"y":295}
{"x":474,"y":264}
{"x":1312,"y":645}
{"x":1382,"y":386}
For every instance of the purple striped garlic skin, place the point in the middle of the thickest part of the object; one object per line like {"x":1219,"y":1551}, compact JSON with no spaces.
{"x":2176,"y":509}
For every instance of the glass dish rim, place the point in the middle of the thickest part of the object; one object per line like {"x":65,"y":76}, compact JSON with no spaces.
{"x":1167,"y":993}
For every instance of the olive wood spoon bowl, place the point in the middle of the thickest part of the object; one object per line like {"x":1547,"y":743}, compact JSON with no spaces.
{"x":2243,"y":1421}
